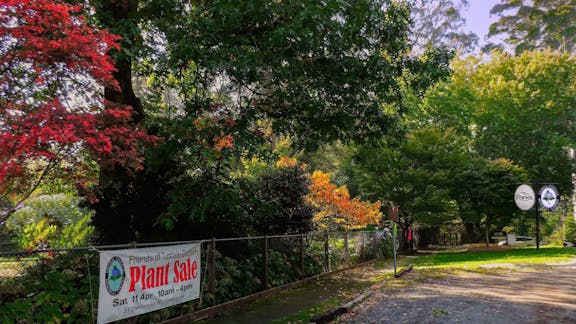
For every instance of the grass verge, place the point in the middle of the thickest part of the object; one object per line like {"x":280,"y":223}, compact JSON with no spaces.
{"x":305,"y":315}
{"x":469,"y":260}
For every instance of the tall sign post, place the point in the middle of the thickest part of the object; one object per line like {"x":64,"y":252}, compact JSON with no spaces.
{"x":548,"y":197}
{"x":525,"y":199}
{"x":538,"y":224}
{"x":393,"y":216}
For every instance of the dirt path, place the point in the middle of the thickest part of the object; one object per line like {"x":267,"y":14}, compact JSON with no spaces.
{"x":511,"y":295}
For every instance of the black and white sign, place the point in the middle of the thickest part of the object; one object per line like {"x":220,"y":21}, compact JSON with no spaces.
{"x":524,"y":197}
{"x":549,"y":198}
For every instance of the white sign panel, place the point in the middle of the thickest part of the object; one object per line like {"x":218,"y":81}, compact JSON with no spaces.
{"x":525,"y":197}
{"x":549,"y":199}
{"x":137,"y":281}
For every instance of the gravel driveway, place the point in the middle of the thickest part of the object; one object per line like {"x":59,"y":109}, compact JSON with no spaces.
{"x":512,"y":294}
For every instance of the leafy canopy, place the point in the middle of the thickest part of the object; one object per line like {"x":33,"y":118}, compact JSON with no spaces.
{"x":439,"y":24}
{"x":536,"y":24}
{"x":514,"y":107}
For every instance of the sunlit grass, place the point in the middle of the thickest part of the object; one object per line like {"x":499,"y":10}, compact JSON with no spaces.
{"x":307,"y":314}
{"x":477,"y":259}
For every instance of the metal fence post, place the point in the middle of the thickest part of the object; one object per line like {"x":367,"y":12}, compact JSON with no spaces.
{"x":346,"y":250}
{"x":42,"y":268}
{"x":327,"y":252}
{"x":302,"y":275}
{"x":265,"y":263}
{"x":212,"y":268}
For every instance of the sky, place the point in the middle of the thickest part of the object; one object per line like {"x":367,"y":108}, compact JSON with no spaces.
{"x":478,"y":17}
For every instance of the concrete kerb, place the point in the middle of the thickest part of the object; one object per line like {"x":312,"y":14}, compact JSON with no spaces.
{"x":404,"y":271}
{"x":214,"y":310}
{"x":334,"y":313}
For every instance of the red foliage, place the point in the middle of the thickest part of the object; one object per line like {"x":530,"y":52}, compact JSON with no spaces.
{"x":214,"y":134}
{"x":53,"y":69}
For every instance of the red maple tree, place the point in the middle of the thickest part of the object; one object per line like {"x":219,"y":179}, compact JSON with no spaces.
{"x":53,"y":118}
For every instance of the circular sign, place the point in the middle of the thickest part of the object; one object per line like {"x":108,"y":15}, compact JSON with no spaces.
{"x":549,"y":198}
{"x":524,"y":197}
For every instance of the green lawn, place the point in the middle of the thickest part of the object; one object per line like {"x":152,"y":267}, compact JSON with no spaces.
{"x":475,"y":259}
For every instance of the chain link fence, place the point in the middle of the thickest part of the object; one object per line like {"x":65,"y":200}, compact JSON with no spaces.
{"x":49,"y":285}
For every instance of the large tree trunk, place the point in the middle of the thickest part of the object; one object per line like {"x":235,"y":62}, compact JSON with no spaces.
{"x":123,"y":13}
{"x":469,"y":235}
{"x":114,"y":220}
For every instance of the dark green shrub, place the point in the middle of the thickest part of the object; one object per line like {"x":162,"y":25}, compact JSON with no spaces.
{"x":56,"y":290}
{"x":278,"y":204}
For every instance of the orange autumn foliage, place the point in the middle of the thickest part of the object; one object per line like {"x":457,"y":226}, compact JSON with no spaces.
{"x":336,"y":211}
{"x":223,"y":141}
{"x":288,"y":162}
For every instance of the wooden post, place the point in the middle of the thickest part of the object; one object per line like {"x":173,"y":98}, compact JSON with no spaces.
{"x":212,"y":269}
{"x":327,"y":252}
{"x":346,"y":250}
{"x":302,"y":274}
{"x":265,"y":263}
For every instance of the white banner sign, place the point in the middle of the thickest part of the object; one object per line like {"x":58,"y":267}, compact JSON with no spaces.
{"x":137,"y":281}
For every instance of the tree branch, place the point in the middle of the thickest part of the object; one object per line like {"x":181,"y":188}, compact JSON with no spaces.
{"x":17,"y":206}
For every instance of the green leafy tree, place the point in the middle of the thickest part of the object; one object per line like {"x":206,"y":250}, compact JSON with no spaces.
{"x":277,"y":202}
{"x":436,"y":179}
{"x":292,"y":63}
{"x":570,"y":229}
{"x":483,"y":194}
{"x":243,"y":73}
{"x":537,"y":24}
{"x":514,"y":107}
{"x":417,"y":174}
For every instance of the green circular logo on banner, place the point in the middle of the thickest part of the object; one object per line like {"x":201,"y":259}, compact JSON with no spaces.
{"x":115,"y":275}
